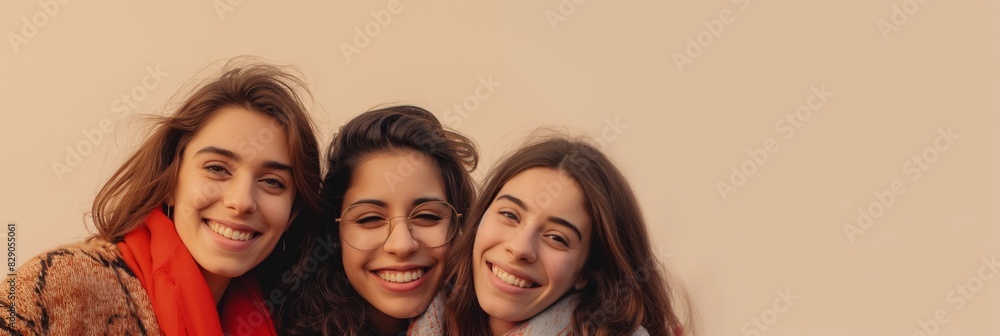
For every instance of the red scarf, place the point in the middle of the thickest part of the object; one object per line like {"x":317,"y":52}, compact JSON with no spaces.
{"x":181,"y":299}
{"x":244,"y":311}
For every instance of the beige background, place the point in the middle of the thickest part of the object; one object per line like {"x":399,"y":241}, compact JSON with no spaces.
{"x":680,"y":129}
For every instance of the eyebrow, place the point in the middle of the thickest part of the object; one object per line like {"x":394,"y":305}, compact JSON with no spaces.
{"x":381,"y":203}
{"x":553,"y":219}
{"x":422,"y":200}
{"x":218,"y":151}
{"x":271,"y":164}
{"x":566,"y":223}
{"x":369,"y":201}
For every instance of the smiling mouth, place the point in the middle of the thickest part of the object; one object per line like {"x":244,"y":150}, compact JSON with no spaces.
{"x":400,"y":276}
{"x":511,"y":279}
{"x":231,"y":234}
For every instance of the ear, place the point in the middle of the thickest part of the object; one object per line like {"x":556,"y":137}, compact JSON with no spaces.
{"x":580,"y":283}
{"x":295,"y":213}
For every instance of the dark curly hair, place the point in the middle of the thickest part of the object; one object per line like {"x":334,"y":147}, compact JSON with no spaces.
{"x":321,"y":300}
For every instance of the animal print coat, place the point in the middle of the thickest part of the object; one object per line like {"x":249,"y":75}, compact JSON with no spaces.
{"x":81,"y":289}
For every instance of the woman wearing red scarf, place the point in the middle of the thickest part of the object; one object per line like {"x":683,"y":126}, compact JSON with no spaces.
{"x":184,"y":220}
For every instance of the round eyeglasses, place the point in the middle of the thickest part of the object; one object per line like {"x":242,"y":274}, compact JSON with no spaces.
{"x":366,"y":226}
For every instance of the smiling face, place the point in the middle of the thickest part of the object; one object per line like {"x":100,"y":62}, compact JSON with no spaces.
{"x":234,"y":192}
{"x":400,"y":277}
{"x":531,"y":245}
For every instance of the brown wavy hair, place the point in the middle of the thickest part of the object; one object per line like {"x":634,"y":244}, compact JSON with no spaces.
{"x":321,"y":301}
{"x":147,"y":177}
{"x":626,"y":287}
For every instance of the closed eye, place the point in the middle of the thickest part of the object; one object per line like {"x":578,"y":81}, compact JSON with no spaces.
{"x":428,"y":216}
{"x":369,"y":219}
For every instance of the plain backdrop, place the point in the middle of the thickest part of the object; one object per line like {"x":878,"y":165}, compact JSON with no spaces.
{"x":805,"y":167}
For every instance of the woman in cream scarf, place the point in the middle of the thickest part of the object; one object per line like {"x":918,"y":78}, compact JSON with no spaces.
{"x":558,"y":246}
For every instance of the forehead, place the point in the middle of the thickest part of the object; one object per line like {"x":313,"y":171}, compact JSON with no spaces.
{"x":251,"y":135}
{"x":402,"y":175}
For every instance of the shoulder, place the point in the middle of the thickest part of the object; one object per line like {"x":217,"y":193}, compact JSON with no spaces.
{"x":431,"y":321}
{"x":554,"y":320}
{"x":71,"y":287}
{"x":68,"y":264}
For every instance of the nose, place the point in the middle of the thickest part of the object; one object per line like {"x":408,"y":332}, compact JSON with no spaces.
{"x":239,"y":196}
{"x":400,"y":240}
{"x":521,"y":245}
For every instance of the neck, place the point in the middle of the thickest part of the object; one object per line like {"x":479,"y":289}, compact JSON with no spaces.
{"x":499,"y":327}
{"x":387,"y":325}
{"x":217,"y":284}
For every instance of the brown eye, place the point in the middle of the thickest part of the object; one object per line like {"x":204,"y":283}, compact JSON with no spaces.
{"x":510,"y":215}
{"x":217,"y":169}
{"x":273,"y":183}
{"x":558,"y":239}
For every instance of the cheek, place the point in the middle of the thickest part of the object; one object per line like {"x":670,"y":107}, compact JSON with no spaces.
{"x":479,"y":246}
{"x":565,"y":267}
{"x":488,"y":234}
{"x":277,"y":210}
{"x":193,"y":191}
{"x":439,"y":253}
{"x":353,"y":260}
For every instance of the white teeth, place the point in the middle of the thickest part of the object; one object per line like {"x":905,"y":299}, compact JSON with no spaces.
{"x":395,"y":276}
{"x":230,"y":233}
{"x":510,"y":279}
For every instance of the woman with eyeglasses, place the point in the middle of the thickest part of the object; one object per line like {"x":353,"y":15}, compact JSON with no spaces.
{"x":397,"y":185}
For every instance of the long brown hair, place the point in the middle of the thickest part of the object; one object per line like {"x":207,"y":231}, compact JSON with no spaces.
{"x":321,"y":300}
{"x":147,"y":177}
{"x":625,"y":285}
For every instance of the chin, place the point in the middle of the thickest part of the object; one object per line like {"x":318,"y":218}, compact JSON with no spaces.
{"x":403,"y":310}
{"x":226,"y":271}
{"x":506,"y":314}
